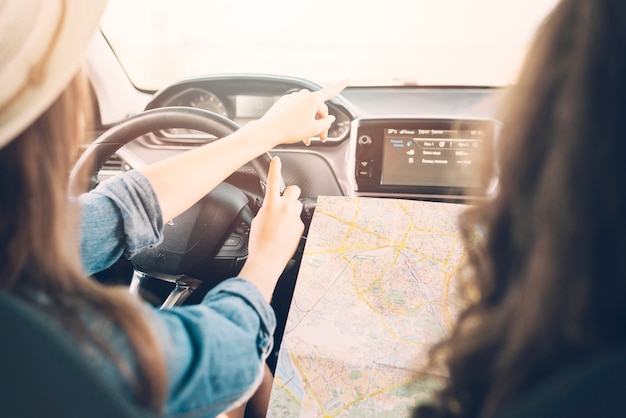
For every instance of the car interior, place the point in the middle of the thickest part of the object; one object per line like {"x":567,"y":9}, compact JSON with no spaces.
{"x":401,"y":138}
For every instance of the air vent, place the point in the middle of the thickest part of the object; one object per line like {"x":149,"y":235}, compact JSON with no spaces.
{"x":112,"y":167}
{"x":114,"y":163}
{"x":175,"y":139}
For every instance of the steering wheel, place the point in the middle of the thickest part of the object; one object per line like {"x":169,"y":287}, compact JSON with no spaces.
{"x":211,"y":236}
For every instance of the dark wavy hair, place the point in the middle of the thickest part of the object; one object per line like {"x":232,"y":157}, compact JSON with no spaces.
{"x":549,"y":274}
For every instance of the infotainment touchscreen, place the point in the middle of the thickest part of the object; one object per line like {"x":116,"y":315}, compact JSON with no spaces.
{"x":432,"y":157}
{"x":424,"y":155}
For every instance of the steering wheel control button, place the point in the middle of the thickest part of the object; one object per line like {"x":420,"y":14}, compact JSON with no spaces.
{"x":364,"y":168}
{"x":242,"y":229}
{"x":232,"y":241}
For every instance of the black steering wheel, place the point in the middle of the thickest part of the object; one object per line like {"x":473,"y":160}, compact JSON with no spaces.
{"x":211,"y":236}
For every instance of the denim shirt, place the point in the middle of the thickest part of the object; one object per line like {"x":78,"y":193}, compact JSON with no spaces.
{"x":215,"y":350}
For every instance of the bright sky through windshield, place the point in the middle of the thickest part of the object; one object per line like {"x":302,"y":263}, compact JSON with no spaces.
{"x":442,"y":42}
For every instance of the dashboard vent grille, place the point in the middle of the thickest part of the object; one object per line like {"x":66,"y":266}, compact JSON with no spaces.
{"x":176,"y":139}
{"x":114,"y":164}
{"x":112,"y":167}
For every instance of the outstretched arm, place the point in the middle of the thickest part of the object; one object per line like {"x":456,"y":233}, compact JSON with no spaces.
{"x":181,"y":181}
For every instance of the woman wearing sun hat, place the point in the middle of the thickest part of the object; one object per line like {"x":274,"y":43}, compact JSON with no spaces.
{"x":202,"y":359}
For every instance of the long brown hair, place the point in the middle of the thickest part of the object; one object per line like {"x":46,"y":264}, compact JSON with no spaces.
{"x":39,"y":253}
{"x":549,"y":274}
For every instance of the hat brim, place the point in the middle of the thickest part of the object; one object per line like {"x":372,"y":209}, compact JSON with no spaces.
{"x":76,"y":22}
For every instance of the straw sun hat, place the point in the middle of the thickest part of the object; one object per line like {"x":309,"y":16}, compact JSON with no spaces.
{"x":41,"y":46}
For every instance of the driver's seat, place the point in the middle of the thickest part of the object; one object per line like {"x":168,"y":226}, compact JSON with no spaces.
{"x":43,"y":375}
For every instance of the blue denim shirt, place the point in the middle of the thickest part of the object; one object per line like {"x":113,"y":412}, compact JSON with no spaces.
{"x":215,"y":351}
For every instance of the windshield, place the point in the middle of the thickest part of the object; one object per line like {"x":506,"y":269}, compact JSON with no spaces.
{"x":374,"y":42}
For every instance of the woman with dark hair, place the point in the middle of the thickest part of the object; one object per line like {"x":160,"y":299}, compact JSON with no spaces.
{"x":549,"y":277}
{"x":202,"y":359}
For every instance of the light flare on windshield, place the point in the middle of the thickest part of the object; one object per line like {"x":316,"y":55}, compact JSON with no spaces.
{"x":390,"y":42}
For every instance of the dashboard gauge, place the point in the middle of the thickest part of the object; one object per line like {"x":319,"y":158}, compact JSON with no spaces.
{"x":198,"y":98}
{"x":241,"y":105}
{"x":339,"y":129}
{"x":208,"y":101}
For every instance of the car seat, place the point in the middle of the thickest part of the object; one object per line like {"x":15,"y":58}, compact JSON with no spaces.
{"x":43,"y":375}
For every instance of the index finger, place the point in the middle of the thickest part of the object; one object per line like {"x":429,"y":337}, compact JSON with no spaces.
{"x":331,"y":90}
{"x":273,"y":178}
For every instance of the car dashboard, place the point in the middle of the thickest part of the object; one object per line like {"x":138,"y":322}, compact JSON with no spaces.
{"x":405,"y":141}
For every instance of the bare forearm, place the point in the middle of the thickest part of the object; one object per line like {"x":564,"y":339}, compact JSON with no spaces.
{"x":181,"y":181}
{"x":264,"y":274}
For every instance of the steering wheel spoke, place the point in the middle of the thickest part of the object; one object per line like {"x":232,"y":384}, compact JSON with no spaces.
{"x":182,"y":290}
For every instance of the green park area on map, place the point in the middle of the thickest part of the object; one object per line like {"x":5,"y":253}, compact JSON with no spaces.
{"x":377,"y":287}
